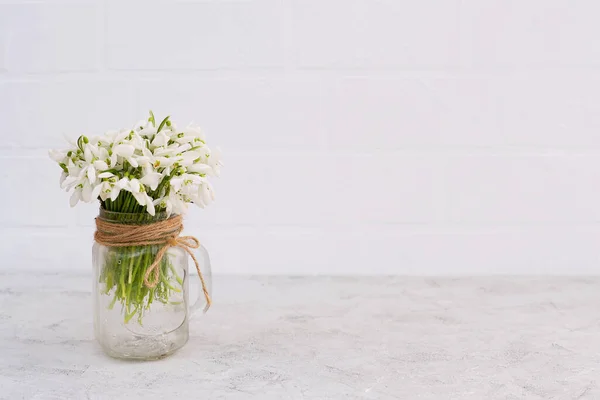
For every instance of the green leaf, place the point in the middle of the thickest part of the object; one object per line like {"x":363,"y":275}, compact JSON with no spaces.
{"x":162,"y":124}
{"x":152,"y":119}
{"x":80,"y":142}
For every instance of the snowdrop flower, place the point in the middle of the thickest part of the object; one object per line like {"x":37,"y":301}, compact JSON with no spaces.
{"x":75,"y":197}
{"x":152,"y":167}
{"x":184,"y":137}
{"x":75,"y":176}
{"x":86,"y":192}
{"x":195,"y":132}
{"x":187,"y":158}
{"x":214,"y":161}
{"x":161,"y":139}
{"x":101,"y":158}
{"x":126,"y":151}
{"x":144,"y":200}
{"x":151,"y":179}
{"x":58,"y":156}
{"x":202,"y":169}
{"x":90,"y":170}
{"x":109,"y":188}
{"x":185,"y":180}
{"x":166,"y":151}
{"x":155,"y":161}
{"x":205,"y":195}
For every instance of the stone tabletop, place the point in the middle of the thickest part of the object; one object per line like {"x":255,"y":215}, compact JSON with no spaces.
{"x":319,"y":338}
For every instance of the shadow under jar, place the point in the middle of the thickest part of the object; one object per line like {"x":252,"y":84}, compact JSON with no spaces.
{"x":132,"y":320}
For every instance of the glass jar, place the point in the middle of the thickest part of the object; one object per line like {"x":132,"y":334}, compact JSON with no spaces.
{"x":131,"y":320}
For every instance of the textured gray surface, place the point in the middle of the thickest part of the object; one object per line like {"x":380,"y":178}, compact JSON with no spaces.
{"x":319,"y":338}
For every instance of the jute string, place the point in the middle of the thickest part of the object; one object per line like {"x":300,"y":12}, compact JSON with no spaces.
{"x":165,"y":232}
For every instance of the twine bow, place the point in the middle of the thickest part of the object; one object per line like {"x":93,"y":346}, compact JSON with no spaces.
{"x":165,"y":232}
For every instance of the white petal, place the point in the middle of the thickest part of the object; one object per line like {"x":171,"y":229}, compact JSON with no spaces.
{"x":152,"y":180}
{"x":176,"y":183}
{"x":75,"y":197}
{"x":57,"y":155}
{"x":102,"y":153}
{"x":105,"y":175}
{"x":123,"y":184}
{"x":165,"y":162}
{"x":161,"y":139}
{"x":63,"y":176}
{"x":185,"y":139}
{"x":87,"y":153}
{"x":91,"y":174}
{"x":82,"y":174}
{"x":140,"y":198}
{"x":148,"y":131}
{"x":198,"y":201}
{"x":100,"y":165}
{"x":134,"y":185}
{"x":163,"y":151}
{"x":133,"y":162}
{"x":124,"y":150}
{"x":183,"y":147}
{"x":104,"y":195}
{"x":69,"y":180}
{"x":206,"y":196}
{"x":96,"y":191}
{"x":69,"y":140}
{"x":143,"y":161}
{"x":86,"y":193}
{"x":141,"y":123}
{"x":215,"y":159}
{"x":150,"y":205}
{"x":122,"y":135}
{"x":93,"y":149}
{"x":200,"y":168}
{"x":195,"y":179}
{"x":95,"y":139}
{"x":194,"y":131}
{"x":115,"y":192}
{"x":191,"y":155}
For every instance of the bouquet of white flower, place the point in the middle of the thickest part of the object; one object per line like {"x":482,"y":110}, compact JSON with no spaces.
{"x":144,"y":174}
{"x":154,"y":167}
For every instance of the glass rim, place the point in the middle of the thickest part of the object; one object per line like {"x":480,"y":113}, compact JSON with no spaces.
{"x":132,"y":218}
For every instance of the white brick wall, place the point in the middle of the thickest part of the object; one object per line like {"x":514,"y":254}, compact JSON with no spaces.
{"x":360,"y":136}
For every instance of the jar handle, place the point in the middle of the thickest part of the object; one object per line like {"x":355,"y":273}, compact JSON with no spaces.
{"x":204,"y":262}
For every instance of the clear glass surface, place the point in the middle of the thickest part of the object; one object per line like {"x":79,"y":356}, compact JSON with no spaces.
{"x":132,"y":321}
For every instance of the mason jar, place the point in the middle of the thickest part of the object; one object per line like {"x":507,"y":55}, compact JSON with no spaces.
{"x":131,"y":319}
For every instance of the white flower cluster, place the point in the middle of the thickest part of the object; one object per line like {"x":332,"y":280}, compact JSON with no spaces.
{"x":162,"y":167}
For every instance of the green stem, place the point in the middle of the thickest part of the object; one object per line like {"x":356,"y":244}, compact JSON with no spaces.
{"x":125,"y":267}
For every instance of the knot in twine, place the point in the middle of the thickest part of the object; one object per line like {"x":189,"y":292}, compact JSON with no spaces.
{"x":165,"y":232}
